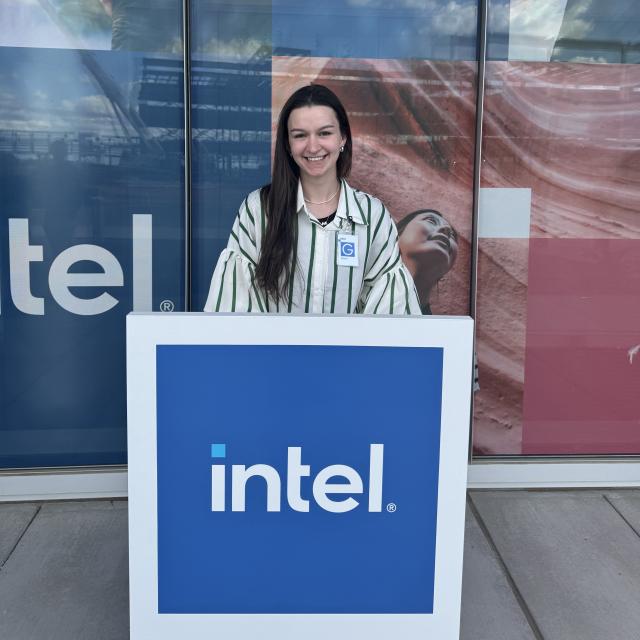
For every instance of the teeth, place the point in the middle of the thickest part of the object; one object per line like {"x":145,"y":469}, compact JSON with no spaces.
{"x":315,"y":158}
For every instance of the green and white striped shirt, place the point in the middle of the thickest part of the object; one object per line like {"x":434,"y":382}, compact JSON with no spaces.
{"x":380,"y":283}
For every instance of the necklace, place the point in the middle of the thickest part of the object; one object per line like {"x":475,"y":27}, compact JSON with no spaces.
{"x":335,"y":193}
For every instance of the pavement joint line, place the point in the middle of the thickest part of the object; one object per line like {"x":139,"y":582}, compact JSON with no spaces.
{"x":535,"y":629}
{"x":15,"y":546}
{"x":613,"y":506}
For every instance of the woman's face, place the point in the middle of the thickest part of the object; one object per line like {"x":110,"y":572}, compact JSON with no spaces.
{"x":315,"y":141}
{"x":429,"y":246}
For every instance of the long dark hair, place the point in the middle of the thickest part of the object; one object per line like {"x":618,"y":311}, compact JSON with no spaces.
{"x":279,"y":199}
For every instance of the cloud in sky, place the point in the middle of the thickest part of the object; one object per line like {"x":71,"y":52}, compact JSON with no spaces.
{"x":232,"y":50}
{"x":452,"y":17}
{"x":456,"y":18}
{"x":590,"y":59}
{"x":428,"y":5}
{"x":89,"y":114}
{"x":47,"y":106}
{"x":498,"y":17}
{"x":429,"y":29}
{"x":545,"y":18}
{"x":536,"y":25}
{"x":25,"y":23}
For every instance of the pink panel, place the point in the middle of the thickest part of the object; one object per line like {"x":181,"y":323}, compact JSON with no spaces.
{"x":582,"y":379}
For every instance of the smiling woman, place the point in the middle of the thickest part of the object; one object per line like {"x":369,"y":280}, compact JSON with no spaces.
{"x":308,"y":242}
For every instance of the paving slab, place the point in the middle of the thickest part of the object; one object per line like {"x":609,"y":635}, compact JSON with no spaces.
{"x":14,"y":519}
{"x":490,"y":610}
{"x":68,"y":576}
{"x":627,"y":503}
{"x":576,"y":565}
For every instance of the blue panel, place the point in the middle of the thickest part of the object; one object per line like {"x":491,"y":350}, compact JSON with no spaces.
{"x":88,"y":140}
{"x":258,"y":401}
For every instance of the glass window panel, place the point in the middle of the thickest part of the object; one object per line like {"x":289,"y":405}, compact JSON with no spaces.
{"x":92,"y":224}
{"x":409,"y":92}
{"x":558,"y":265}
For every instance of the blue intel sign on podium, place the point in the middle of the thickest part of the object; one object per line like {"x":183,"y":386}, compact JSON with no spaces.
{"x":307,"y":476}
{"x":296,"y":486}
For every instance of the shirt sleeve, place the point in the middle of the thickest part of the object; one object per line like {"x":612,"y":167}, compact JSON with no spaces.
{"x":388,"y":287}
{"x":233,"y":286}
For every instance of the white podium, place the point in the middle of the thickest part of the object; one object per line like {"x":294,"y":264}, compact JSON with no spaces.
{"x":297,"y":477}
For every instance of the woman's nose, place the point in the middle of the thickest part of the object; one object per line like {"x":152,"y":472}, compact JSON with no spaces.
{"x":312,"y":143}
{"x":444,"y":229}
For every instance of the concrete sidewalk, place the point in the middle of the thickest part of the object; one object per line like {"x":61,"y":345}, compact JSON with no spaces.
{"x":558,"y":565}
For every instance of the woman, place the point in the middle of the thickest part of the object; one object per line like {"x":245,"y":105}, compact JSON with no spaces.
{"x":308,"y":242}
{"x":429,"y":247}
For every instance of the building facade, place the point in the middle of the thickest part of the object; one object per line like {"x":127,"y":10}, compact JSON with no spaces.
{"x":131,"y":130}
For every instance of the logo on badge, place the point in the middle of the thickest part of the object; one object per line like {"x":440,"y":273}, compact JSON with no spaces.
{"x":347,"y":248}
{"x":347,"y":254}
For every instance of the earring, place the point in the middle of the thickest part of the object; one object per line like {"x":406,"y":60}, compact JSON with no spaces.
{"x":341,"y":148}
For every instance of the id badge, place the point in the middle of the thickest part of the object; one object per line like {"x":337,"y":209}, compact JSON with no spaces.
{"x":347,"y":253}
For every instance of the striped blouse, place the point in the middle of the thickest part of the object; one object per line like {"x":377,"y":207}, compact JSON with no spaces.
{"x":380,"y":283}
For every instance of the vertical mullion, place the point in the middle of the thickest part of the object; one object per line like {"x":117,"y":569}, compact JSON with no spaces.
{"x":482,"y":55}
{"x":477,"y":167}
{"x":186,"y":42}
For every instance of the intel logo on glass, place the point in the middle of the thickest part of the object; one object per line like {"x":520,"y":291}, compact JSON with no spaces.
{"x":62,"y":278}
{"x":322,"y":487}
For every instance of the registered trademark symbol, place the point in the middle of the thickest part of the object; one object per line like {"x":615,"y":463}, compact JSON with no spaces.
{"x":166,"y":305}
{"x":391,"y":507}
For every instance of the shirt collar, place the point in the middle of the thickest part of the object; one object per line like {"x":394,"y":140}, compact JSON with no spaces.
{"x":349,"y":206}
{"x":300,"y":204}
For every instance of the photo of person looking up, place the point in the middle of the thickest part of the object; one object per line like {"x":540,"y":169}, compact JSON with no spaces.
{"x":429,"y":248}
{"x":309,"y":242}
